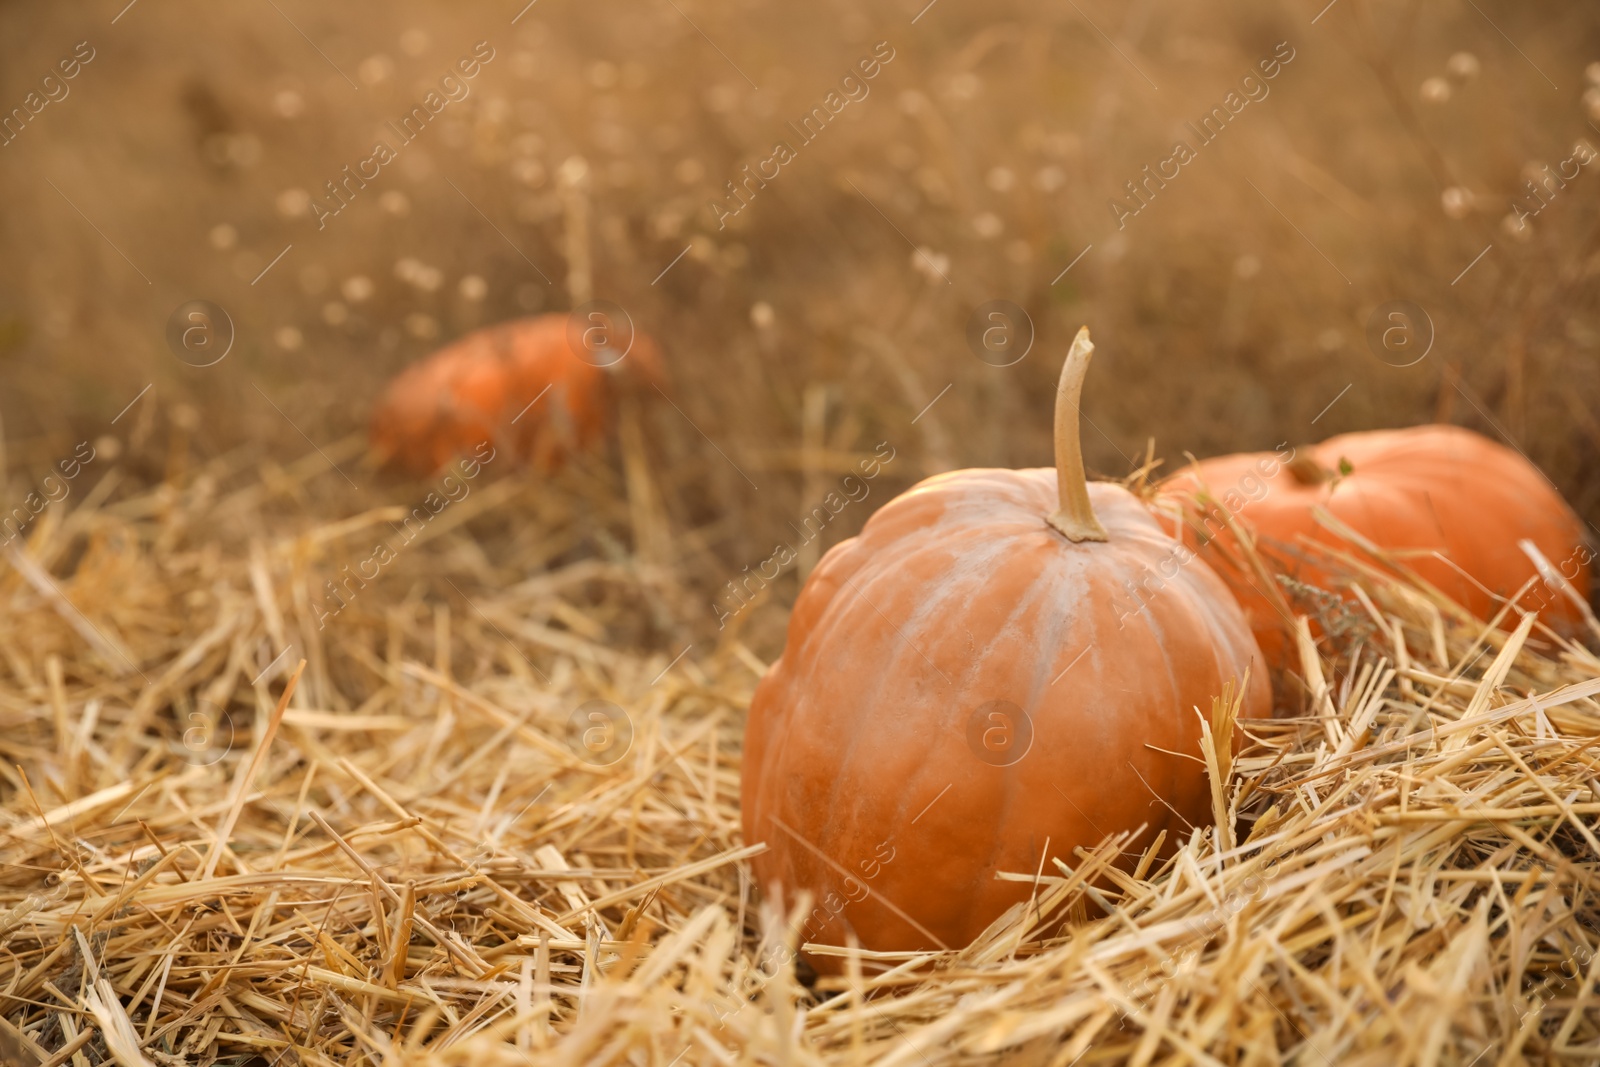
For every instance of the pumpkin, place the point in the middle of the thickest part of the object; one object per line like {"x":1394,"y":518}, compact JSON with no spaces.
{"x":522,"y":384}
{"x":966,"y":684}
{"x":1451,"y":505}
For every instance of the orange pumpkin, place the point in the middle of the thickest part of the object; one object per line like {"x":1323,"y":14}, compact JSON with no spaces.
{"x":538,"y":386}
{"x":1451,"y":504}
{"x":963,"y":685}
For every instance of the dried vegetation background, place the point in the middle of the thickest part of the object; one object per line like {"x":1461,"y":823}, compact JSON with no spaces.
{"x":405,"y":860}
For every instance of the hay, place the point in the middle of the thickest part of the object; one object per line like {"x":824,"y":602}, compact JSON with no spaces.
{"x":404,"y":856}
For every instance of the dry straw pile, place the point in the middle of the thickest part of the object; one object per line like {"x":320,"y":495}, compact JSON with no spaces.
{"x":402,"y":856}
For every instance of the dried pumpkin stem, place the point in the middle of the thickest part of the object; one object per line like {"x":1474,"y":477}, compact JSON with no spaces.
{"x":1075,"y":517}
{"x":1308,"y":471}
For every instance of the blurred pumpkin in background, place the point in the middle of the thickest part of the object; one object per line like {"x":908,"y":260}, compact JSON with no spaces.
{"x":541,"y":387}
{"x":965,"y":686}
{"x":1450,"y":504}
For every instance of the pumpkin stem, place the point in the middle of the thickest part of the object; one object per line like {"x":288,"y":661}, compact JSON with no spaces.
{"x":1075,"y":518}
{"x":1307,"y":471}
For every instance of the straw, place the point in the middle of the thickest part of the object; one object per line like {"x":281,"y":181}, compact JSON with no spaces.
{"x":406,"y":855}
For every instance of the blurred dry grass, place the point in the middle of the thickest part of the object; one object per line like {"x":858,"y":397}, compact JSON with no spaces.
{"x":994,"y":140}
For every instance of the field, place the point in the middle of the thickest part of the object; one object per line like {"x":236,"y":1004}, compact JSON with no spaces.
{"x":256,"y":811}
